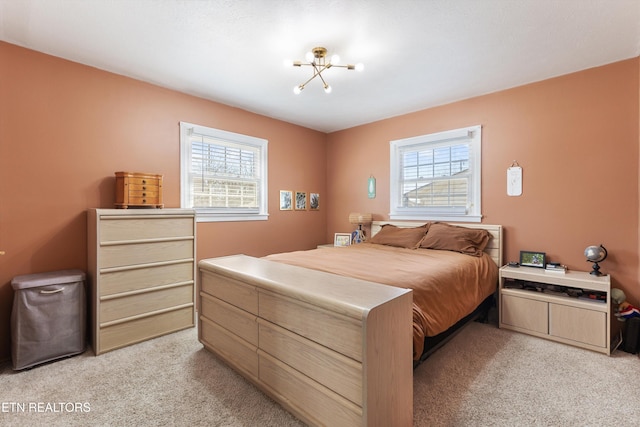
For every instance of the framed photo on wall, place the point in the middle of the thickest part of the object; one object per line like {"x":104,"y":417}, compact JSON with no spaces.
{"x":342,"y":239}
{"x":301,"y":201}
{"x":286,"y":200}
{"x":314,"y":201}
{"x":533,"y":259}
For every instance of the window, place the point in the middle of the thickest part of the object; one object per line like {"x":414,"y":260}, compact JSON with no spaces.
{"x":223,"y":174}
{"x":437,"y":176}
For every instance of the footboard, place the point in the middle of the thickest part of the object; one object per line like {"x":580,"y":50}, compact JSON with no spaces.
{"x":330,"y":349}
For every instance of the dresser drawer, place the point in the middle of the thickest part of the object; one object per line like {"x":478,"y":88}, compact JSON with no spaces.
{"x":237,"y":321}
{"x":339,"y":373}
{"x":145,"y":328}
{"x":337,"y":332}
{"x":118,"y":230}
{"x":321,"y":405}
{"x":231,"y":291}
{"x":236,"y":351}
{"x":147,"y":302}
{"x":135,"y":279}
{"x":577,"y":324}
{"x":525,"y":313}
{"x":144,"y":253}
{"x":143,"y":181}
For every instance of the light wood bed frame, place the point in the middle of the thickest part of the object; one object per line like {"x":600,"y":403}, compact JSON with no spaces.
{"x":332,"y":350}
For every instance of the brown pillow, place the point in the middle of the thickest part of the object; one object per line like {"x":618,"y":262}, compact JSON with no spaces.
{"x":401,"y":237}
{"x":454,"y":238}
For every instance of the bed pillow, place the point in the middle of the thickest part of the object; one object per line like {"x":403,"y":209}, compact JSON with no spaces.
{"x":402,"y":237}
{"x":454,"y":238}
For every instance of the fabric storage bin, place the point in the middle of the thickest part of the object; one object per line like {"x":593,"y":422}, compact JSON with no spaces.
{"x":48,"y":317}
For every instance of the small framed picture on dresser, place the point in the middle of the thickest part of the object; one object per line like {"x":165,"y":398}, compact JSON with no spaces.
{"x":533,"y":259}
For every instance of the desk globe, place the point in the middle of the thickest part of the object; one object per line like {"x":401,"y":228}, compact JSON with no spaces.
{"x":595,"y":254}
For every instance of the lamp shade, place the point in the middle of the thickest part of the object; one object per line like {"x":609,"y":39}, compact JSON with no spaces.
{"x":360,"y":218}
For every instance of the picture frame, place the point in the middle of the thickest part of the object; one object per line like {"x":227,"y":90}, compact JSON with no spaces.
{"x":314,"y":201}
{"x":301,"y":201}
{"x":342,"y":239}
{"x":533,"y":259}
{"x":286,"y":200}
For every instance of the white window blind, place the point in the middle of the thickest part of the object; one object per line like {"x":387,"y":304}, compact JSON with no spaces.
{"x":437,"y":176}
{"x":223,"y":174}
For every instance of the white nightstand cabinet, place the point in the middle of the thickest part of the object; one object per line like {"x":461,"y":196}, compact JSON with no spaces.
{"x":555,"y":315}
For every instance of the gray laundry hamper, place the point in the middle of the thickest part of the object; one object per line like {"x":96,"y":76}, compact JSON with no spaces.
{"x":48,"y":317}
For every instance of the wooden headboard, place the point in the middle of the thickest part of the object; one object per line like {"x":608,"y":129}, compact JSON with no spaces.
{"x":494,"y":247}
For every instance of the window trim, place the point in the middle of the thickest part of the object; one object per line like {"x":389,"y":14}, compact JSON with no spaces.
{"x":214,"y":215}
{"x":474,"y":135}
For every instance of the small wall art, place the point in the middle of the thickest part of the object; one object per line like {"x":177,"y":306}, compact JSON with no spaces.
{"x":314,"y":201}
{"x":286,"y":200}
{"x":301,"y":201}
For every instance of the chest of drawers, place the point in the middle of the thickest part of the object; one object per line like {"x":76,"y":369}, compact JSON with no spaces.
{"x":135,"y":189}
{"x":332,"y":350}
{"x":141,"y":272}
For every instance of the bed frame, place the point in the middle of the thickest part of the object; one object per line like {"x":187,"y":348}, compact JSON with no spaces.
{"x":332,"y":350}
{"x":494,"y":249}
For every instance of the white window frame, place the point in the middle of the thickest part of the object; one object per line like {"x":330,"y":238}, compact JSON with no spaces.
{"x":186,"y":181}
{"x":473,"y":210}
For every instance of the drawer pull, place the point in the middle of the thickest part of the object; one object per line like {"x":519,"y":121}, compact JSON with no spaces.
{"x":144,"y":194}
{"x":144,"y":200}
{"x":55,"y":291}
{"x":144,"y":181}
{"x":144,"y":188}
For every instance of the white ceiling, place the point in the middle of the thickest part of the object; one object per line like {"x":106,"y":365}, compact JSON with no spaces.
{"x":417,"y":53}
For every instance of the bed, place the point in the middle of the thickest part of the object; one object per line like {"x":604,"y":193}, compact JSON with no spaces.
{"x":452,"y":284}
{"x":336,"y":349}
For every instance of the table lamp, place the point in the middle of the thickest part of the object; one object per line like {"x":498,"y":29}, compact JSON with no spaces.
{"x":359,"y":219}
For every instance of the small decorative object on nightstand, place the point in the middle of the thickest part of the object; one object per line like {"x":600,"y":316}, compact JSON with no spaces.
{"x":595,"y":254}
{"x":359,"y":219}
{"x":138,"y":190}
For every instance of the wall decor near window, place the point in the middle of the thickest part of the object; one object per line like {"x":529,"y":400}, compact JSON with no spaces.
{"x":301,"y":201}
{"x":286,"y":200}
{"x":314,"y":201}
{"x":371,"y":187}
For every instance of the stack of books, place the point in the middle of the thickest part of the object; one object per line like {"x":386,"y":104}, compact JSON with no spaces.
{"x":555,"y":268}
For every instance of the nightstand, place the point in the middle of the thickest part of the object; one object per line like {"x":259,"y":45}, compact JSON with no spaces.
{"x":540,"y":303}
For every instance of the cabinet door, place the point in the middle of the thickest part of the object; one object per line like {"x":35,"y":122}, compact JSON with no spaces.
{"x":525,"y":313}
{"x":578,"y":324}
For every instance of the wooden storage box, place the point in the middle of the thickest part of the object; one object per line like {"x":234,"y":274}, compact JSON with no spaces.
{"x":135,"y":189}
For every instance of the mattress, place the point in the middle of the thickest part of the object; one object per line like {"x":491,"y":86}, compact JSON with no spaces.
{"x":447,"y":285}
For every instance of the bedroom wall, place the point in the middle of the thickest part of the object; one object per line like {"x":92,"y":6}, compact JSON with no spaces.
{"x":66,"y":128}
{"x":576,"y":138}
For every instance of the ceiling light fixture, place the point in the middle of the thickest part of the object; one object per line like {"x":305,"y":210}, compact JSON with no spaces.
{"x":317,"y":59}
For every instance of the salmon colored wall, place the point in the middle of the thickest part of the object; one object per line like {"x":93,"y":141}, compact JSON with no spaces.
{"x":576,"y":138}
{"x":66,"y":128}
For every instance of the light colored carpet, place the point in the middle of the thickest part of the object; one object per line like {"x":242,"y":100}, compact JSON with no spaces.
{"x":484,"y":376}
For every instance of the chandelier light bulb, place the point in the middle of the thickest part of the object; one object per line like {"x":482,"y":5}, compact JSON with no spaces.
{"x":327,"y":89}
{"x":287,"y":63}
{"x":298,"y":89}
{"x":359,"y":66}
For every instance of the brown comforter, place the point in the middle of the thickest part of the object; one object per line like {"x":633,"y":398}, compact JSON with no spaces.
{"x":446,"y":285}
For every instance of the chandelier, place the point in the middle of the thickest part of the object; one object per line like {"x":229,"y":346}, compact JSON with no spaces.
{"x":317,"y":59}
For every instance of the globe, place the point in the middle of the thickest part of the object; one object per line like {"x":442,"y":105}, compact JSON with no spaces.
{"x":595,"y":254}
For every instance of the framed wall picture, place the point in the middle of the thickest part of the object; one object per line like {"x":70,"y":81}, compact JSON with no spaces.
{"x":314,"y":201}
{"x":342,"y":239}
{"x":301,"y":201}
{"x":533,"y":259}
{"x":286,"y":200}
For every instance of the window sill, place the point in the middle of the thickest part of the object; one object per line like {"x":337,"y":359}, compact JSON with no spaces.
{"x":203,"y":216}
{"x":447,"y":218}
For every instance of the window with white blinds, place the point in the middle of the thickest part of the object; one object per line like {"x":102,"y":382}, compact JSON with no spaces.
{"x":437,"y":176}
{"x":223,"y":174}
